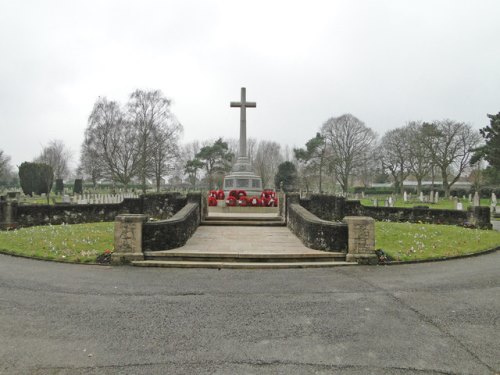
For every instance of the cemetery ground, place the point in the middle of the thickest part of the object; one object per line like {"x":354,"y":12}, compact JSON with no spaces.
{"x":426,"y":319}
{"x":92,"y":243}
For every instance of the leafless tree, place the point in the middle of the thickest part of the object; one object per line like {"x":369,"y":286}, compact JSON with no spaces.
{"x":57,"y":156}
{"x":349,"y":139}
{"x":395,"y":156}
{"x":150,"y":114}
{"x":451,"y":145}
{"x":4,"y":164}
{"x":267,"y":159}
{"x":112,"y":138}
{"x":420,"y":158}
{"x":91,"y":164}
{"x":164,"y":150}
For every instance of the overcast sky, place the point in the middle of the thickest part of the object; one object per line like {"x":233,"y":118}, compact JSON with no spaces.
{"x":386,"y":62}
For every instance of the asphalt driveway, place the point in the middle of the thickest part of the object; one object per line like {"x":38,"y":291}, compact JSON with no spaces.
{"x":433,"y":318}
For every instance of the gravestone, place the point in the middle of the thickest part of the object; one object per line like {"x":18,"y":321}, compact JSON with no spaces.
{"x":459,"y":206}
{"x":476,"y":201}
{"x":405,"y":196}
{"x":421,"y":197}
{"x":436,"y":197}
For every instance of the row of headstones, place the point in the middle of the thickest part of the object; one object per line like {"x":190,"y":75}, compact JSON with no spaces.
{"x":98,"y":198}
{"x":434,"y":198}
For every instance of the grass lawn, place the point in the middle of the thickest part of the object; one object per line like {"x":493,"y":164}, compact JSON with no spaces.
{"x":82,"y":243}
{"x":405,"y":241}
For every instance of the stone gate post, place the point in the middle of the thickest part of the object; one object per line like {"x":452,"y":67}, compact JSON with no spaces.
{"x":361,"y":239}
{"x":128,"y":238}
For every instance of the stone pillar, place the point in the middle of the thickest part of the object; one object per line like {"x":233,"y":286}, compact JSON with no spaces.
{"x":8,"y":214}
{"x":361,"y":239}
{"x":479,"y":217}
{"x":128,"y":238}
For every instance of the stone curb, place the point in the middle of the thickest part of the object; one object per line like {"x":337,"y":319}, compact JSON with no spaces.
{"x":7,"y":252}
{"x":484,"y":252}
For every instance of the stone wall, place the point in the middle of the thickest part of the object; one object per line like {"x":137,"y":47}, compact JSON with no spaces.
{"x":329,"y":207}
{"x":314,"y":232}
{"x":174,"y":232}
{"x":160,"y":206}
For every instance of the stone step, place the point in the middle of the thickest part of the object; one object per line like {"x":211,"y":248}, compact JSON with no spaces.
{"x":245,"y":223}
{"x":242,"y":218}
{"x":237,"y":265}
{"x":233,"y":257}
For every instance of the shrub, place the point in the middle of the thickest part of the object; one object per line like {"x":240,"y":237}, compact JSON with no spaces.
{"x":35,"y":178}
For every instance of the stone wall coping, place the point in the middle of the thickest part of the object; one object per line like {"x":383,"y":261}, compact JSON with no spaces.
{"x":309,"y":216}
{"x":178,"y":217}
{"x":131,"y":218}
{"x":355,"y":219}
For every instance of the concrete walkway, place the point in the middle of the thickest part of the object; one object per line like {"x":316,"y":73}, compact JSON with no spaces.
{"x":245,"y":240}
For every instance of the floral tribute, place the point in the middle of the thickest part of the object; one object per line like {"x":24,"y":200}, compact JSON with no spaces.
{"x":240,"y":198}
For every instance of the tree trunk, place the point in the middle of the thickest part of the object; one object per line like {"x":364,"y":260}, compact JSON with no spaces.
{"x":446,"y":186}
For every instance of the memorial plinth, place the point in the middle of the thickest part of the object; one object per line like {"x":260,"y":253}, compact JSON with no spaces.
{"x":242,"y":176}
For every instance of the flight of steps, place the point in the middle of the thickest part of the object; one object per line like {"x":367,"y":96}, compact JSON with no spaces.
{"x":179,"y":259}
{"x":248,"y":220}
{"x":260,"y":259}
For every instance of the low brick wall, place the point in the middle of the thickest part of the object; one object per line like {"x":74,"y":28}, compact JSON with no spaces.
{"x":173,"y":232}
{"x":162,"y":206}
{"x":314,"y":232}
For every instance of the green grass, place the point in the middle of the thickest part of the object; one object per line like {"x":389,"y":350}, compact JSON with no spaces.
{"x":405,"y":241}
{"x":80,"y":243}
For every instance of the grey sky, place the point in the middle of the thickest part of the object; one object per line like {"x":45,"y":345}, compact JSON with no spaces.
{"x":386,"y":62}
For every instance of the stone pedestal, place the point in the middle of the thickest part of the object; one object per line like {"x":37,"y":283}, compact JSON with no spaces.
{"x":361,"y":239}
{"x":128,"y":238}
{"x":242,"y":177}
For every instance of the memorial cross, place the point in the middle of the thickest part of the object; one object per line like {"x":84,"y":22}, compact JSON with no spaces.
{"x":243,"y":105}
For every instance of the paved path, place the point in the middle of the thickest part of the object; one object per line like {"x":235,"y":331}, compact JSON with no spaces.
{"x":434,"y":318}
{"x":245,"y":240}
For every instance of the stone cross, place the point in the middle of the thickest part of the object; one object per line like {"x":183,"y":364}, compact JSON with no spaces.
{"x":243,"y":105}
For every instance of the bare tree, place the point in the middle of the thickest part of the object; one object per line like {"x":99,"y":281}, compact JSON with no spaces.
{"x":349,"y":139}
{"x":57,"y":156}
{"x":91,"y":165}
{"x":267,"y":159}
{"x":112,"y":138}
{"x":149,"y":112}
{"x":164,"y":149}
{"x":395,"y":156}
{"x":4,"y":164}
{"x":420,"y":158}
{"x":451,"y":145}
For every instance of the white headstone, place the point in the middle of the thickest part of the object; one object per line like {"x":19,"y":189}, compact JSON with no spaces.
{"x":470,"y":198}
{"x":476,"y":199}
{"x":421,"y":197}
{"x":436,"y":197}
{"x":65,"y":199}
{"x":431,"y":197}
{"x":390,"y":202}
{"x":493,"y":199}
{"x":460,"y":206}
{"x":405,"y":196}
